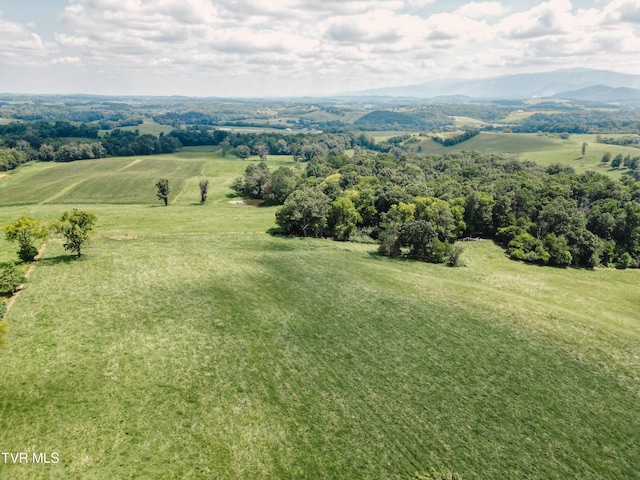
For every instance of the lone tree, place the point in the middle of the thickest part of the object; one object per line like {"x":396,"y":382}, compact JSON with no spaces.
{"x":204,"y":188}
{"x":76,"y":226}
{"x":263,"y":151}
{"x":243,"y":152}
{"x":26,"y":231}
{"x":163,"y":190}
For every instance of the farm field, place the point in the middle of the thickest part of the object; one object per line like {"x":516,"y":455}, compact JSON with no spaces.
{"x":149,"y":126}
{"x":188,"y":343}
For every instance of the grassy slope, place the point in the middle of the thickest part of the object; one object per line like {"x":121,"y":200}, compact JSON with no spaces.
{"x":189,"y":344}
{"x":545,"y":149}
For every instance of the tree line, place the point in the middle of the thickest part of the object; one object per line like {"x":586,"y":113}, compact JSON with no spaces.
{"x":581,"y":121}
{"x":60,"y":142}
{"x":64,"y":141}
{"x":455,"y":139}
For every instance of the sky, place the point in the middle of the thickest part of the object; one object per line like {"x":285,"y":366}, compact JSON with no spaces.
{"x":254,"y":48}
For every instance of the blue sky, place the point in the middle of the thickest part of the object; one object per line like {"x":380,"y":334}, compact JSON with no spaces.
{"x":298,"y":47}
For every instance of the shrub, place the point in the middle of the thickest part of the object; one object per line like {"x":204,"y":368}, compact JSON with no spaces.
{"x":27,"y":253}
{"x":454,"y":259}
{"x":10,"y":278}
{"x":624,"y":261}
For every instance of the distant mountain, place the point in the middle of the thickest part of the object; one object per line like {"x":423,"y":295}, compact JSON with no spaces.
{"x":521,"y":86}
{"x":602,"y":93}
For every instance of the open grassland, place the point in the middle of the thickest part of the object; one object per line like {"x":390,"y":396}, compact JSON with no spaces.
{"x":468,"y":122}
{"x":542,"y":149}
{"x":187,"y":343}
{"x":516,"y":117}
{"x":149,"y":126}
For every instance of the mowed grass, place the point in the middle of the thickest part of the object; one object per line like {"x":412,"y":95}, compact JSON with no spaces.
{"x":187,"y":343}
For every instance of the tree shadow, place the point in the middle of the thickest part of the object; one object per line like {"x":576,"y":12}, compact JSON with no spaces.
{"x":277,"y":232}
{"x":49,"y":261}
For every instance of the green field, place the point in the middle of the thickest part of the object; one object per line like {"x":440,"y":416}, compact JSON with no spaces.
{"x":189,"y":344}
{"x":468,"y":122}
{"x":149,"y":127}
{"x":542,"y":149}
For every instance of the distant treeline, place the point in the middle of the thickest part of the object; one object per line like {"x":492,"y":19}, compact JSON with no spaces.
{"x":455,"y":139}
{"x":580,"y":122}
{"x":422,"y":119}
{"x":302,"y":146}
{"x":186,"y":118}
{"x":627,"y":140}
{"x":37,"y":133}
{"x":63,"y":141}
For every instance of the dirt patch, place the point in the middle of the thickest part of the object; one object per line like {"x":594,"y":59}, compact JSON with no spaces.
{"x":2,"y":175}
{"x":121,"y":238}
{"x":249,"y":201}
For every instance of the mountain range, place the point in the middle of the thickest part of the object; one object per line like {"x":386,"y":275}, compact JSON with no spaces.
{"x":582,"y":83}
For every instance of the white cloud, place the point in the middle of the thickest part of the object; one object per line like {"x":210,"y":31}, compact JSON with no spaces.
{"x":418,"y":3}
{"x":549,"y":18}
{"x":19,"y":44}
{"x":65,"y":61}
{"x":481,"y":10}
{"x":194,"y":46}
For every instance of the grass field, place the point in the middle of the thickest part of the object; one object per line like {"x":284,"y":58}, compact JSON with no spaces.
{"x":542,"y":149}
{"x":189,"y":344}
{"x":468,"y":122}
{"x":150,"y":127}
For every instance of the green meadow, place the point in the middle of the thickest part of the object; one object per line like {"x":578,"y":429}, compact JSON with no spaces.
{"x":187,"y":343}
{"x":545,"y":149}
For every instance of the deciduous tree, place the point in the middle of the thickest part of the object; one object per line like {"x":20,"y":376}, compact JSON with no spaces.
{"x":304,"y":213}
{"x":163,"y":190}
{"x":263,"y":151}
{"x":26,"y":231}
{"x":76,"y":227}
{"x":242,"y":151}
{"x":204,"y":189}
{"x":342,"y":218}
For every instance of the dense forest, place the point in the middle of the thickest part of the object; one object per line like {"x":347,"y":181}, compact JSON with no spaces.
{"x":584,"y":121}
{"x":418,"y":206}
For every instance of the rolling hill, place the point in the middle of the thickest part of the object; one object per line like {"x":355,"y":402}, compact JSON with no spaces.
{"x":527,"y":85}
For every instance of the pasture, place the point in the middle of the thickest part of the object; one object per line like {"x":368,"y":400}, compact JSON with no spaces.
{"x":545,"y":149}
{"x":149,"y":126}
{"x":188,"y":343}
